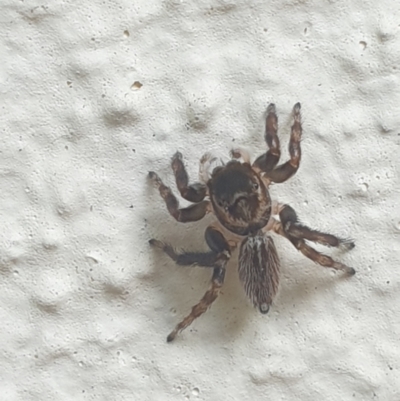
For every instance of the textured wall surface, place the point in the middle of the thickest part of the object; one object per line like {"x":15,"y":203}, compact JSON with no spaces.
{"x":96,"y":93}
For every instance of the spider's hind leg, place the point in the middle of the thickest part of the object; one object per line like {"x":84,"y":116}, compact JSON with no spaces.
{"x":183,"y":258}
{"x":221,"y":251}
{"x":294,"y":228}
{"x":297,"y":234}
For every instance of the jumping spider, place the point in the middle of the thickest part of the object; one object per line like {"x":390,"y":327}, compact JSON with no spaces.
{"x":237,"y":193}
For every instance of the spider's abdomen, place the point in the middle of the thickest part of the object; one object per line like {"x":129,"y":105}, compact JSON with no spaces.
{"x":259,"y":270}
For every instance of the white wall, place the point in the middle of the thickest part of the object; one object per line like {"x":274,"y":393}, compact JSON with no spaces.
{"x":85,"y":304}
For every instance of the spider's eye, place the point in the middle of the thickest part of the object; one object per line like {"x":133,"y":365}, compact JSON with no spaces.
{"x":226,"y":208}
{"x":255,"y":186}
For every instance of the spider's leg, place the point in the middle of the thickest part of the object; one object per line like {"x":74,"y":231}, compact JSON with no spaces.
{"x":221,"y":249}
{"x":191,"y":213}
{"x":295,"y":229}
{"x":192,"y":192}
{"x":208,"y":298}
{"x":270,"y":159}
{"x":310,"y":252}
{"x":183,"y":258}
{"x":288,"y":169}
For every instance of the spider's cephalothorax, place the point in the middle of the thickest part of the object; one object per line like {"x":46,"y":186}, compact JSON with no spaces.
{"x":239,"y":198}
{"x":237,"y":193}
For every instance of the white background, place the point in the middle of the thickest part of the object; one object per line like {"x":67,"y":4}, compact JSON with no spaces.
{"x":86,"y":304}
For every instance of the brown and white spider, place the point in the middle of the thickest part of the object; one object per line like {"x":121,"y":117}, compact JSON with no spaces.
{"x":237,"y":193}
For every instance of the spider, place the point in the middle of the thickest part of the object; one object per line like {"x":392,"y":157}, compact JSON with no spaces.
{"x":237,"y":194}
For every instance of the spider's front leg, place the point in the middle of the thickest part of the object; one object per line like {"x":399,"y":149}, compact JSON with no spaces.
{"x":192,"y":192}
{"x":191,"y":213}
{"x":270,"y":159}
{"x":217,"y":259}
{"x":266,"y":163}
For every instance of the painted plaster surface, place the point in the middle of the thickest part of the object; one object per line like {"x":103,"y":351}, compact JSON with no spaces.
{"x":93,"y":95}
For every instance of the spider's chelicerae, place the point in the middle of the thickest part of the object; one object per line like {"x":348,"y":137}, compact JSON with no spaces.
{"x":237,"y":194}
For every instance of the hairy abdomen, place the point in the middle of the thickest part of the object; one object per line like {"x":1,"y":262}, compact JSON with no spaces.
{"x":259,"y":270}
